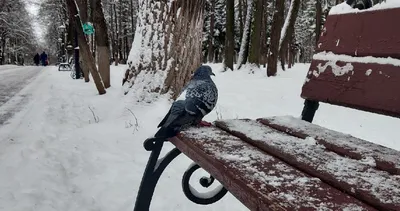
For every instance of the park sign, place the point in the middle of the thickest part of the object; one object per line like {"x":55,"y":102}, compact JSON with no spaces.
{"x":88,"y":28}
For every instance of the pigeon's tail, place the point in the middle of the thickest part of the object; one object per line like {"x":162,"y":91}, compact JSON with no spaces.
{"x":166,"y":132}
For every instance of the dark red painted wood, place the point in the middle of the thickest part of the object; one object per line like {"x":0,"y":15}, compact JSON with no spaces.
{"x":372,"y":33}
{"x":376,"y":92}
{"x":260,"y":181}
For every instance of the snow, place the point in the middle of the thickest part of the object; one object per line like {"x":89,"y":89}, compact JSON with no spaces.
{"x":205,"y":195}
{"x":336,"y":69}
{"x":344,"y":8}
{"x":329,"y":56}
{"x":54,"y":156}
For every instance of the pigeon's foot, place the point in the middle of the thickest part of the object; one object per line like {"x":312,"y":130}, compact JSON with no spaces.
{"x":205,"y":124}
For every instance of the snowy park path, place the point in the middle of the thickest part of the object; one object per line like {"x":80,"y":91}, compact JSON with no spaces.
{"x":12,"y":80}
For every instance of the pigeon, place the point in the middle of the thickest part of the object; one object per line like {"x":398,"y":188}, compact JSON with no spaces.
{"x":197,"y":99}
{"x":360,"y":4}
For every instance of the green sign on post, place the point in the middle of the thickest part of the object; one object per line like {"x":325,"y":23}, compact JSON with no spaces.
{"x":88,"y":28}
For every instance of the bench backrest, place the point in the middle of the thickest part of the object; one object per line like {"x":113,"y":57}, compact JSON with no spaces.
{"x":357,"y":62}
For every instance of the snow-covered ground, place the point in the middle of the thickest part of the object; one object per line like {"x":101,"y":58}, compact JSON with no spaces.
{"x":13,"y":79}
{"x":71,"y":149}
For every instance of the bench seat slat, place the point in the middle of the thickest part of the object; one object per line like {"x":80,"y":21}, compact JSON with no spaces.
{"x":386,"y":159}
{"x":361,"y":180}
{"x":365,"y":86}
{"x":258,"y":180}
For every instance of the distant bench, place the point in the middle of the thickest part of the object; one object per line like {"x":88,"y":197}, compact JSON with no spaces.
{"x":64,"y":67}
{"x":286,"y":163}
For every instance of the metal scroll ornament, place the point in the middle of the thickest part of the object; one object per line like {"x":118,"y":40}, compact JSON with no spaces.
{"x":201,"y":198}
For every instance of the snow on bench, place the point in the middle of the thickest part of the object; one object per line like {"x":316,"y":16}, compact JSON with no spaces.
{"x":355,"y":177}
{"x":381,"y":157}
{"x":344,"y":8}
{"x":259,"y":180}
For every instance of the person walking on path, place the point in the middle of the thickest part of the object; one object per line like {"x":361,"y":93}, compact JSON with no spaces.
{"x":43,"y":58}
{"x":36,"y":59}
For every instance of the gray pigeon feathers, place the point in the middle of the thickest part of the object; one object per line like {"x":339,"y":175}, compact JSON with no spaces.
{"x":198,"y":98}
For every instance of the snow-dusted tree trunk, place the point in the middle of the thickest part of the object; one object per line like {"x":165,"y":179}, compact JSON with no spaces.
{"x":229,"y":35}
{"x":255,"y":48}
{"x":264,"y":37}
{"x":275,"y":37}
{"x":84,"y":47}
{"x":102,"y":42}
{"x":318,"y":20}
{"x":287,"y":30}
{"x":211,"y":41}
{"x":83,"y":13}
{"x":244,"y":47}
{"x":166,"y":48}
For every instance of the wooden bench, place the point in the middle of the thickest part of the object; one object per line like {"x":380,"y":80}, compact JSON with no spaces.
{"x":286,"y":163}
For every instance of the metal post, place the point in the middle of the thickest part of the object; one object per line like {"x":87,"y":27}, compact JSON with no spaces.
{"x":310,"y":107}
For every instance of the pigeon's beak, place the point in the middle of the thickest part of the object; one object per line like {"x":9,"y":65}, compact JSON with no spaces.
{"x":212,"y":74}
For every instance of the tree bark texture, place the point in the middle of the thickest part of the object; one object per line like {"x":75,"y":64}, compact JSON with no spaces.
{"x":291,"y":18}
{"x":240,"y":18}
{"x":229,"y":36}
{"x":263,"y":35}
{"x":84,"y":47}
{"x":255,"y":47}
{"x":116,"y":38}
{"x":102,"y":43}
{"x":318,"y":21}
{"x":275,"y":37}
{"x":167,"y":47}
{"x":211,"y":40}
{"x":83,"y":13}
{"x":244,"y":46}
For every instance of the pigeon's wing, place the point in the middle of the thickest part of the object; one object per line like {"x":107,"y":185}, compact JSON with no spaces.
{"x":202,"y":98}
{"x":182,"y":95}
{"x":165,"y":118}
{"x":177,"y":109}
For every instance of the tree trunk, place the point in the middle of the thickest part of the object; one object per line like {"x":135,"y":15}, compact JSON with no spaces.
{"x":112,"y":16}
{"x":83,"y":13}
{"x":287,"y":30}
{"x":291,"y":50}
{"x":126,"y":47}
{"x":116,"y":38}
{"x":264,"y":36}
{"x":83,"y":10}
{"x":255,"y":48}
{"x":210,"y":41}
{"x":229,"y":36}
{"x":240,"y":18}
{"x":120,"y":35}
{"x":133,"y":17}
{"x":84,"y":47}
{"x":275,"y":37}
{"x":168,"y":47}
{"x":244,"y":46}
{"x":318,"y":21}
{"x":102,"y":42}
